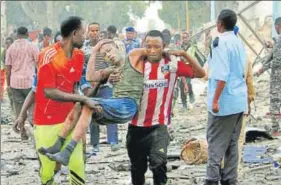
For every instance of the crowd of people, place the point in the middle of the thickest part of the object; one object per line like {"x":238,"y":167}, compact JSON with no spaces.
{"x":82,"y":77}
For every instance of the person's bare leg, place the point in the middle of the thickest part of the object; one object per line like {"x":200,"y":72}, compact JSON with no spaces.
{"x":71,"y":120}
{"x":83,"y":123}
{"x":84,"y":142}
{"x":68,"y":126}
{"x":78,"y":133}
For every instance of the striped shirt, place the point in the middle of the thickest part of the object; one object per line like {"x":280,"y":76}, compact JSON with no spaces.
{"x":159,"y":82}
{"x":100,"y":61}
{"x":22,"y":56}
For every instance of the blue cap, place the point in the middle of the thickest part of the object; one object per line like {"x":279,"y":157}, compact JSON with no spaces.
{"x":130,"y":29}
{"x":236,"y":29}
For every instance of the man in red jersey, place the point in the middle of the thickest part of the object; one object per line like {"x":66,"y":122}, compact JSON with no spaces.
{"x":60,"y":70}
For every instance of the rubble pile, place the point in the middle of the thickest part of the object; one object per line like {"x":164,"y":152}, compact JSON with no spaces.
{"x":19,"y":161}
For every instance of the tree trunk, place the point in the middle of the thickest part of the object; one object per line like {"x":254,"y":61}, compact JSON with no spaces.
{"x":3,"y":19}
{"x":33,"y":13}
{"x":50,"y":14}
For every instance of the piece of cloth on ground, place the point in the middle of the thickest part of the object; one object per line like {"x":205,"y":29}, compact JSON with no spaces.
{"x":256,"y":154}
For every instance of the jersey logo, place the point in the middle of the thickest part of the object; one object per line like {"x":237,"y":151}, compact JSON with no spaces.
{"x":72,"y":70}
{"x":165,"y":69}
{"x":155,"y":84}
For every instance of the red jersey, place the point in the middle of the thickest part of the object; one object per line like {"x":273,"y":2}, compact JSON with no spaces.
{"x":56,"y":71}
{"x":156,"y":101}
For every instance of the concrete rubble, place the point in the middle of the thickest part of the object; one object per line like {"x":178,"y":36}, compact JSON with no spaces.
{"x":19,"y":164}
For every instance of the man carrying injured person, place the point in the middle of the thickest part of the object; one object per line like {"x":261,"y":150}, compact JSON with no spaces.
{"x":115,"y":59}
{"x":148,"y":77}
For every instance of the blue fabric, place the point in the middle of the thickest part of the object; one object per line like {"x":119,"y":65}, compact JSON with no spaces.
{"x":34,"y":83}
{"x":132,"y":44}
{"x":251,"y":154}
{"x":106,"y":92}
{"x":112,"y":133}
{"x":84,"y":84}
{"x":227,"y":64}
{"x":236,"y":30}
{"x":115,"y":110}
{"x":130,"y":29}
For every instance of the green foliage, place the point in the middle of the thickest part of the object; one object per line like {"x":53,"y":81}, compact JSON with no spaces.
{"x":105,"y":12}
{"x":109,"y":12}
{"x":15,"y":14}
{"x":174,"y":13}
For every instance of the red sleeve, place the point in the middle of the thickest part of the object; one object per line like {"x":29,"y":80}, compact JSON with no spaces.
{"x":47,"y":76}
{"x":79,"y":63}
{"x":185,"y":70}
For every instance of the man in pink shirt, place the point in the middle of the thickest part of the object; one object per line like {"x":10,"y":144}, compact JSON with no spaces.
{"x":21,"y":58}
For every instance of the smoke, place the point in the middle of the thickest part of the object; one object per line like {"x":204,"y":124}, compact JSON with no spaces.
{"x":150,"y":20}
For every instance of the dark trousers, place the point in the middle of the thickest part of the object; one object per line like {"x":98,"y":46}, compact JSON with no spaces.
{"x":222,"y":134}
{"x":184,"y":95}
{"x":148,"y":145}
{"x":18,"y":96}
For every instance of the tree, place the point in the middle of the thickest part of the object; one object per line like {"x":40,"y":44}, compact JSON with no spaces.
{"x":174,"y":13}
{"x":110,"y":12}
{"x":3,"y":19}
{"x":39,"y":14}
{"x":151,"y":24}
{"x":225,"y":5}
{"x":44,"y":13}
{"x":15,"y":14}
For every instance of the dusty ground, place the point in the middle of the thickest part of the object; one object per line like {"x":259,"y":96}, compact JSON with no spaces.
{"x":19,"y":164}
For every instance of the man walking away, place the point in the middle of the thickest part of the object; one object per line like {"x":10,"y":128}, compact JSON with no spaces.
{"x":227,"y":101}
{"x":21,"y":58}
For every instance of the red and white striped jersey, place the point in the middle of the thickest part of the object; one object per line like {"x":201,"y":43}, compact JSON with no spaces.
{"x":159,"y":83}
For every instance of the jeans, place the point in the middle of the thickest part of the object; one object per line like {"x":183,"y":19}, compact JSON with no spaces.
{"x":112,"y":130}
{"x":222,"y":134}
